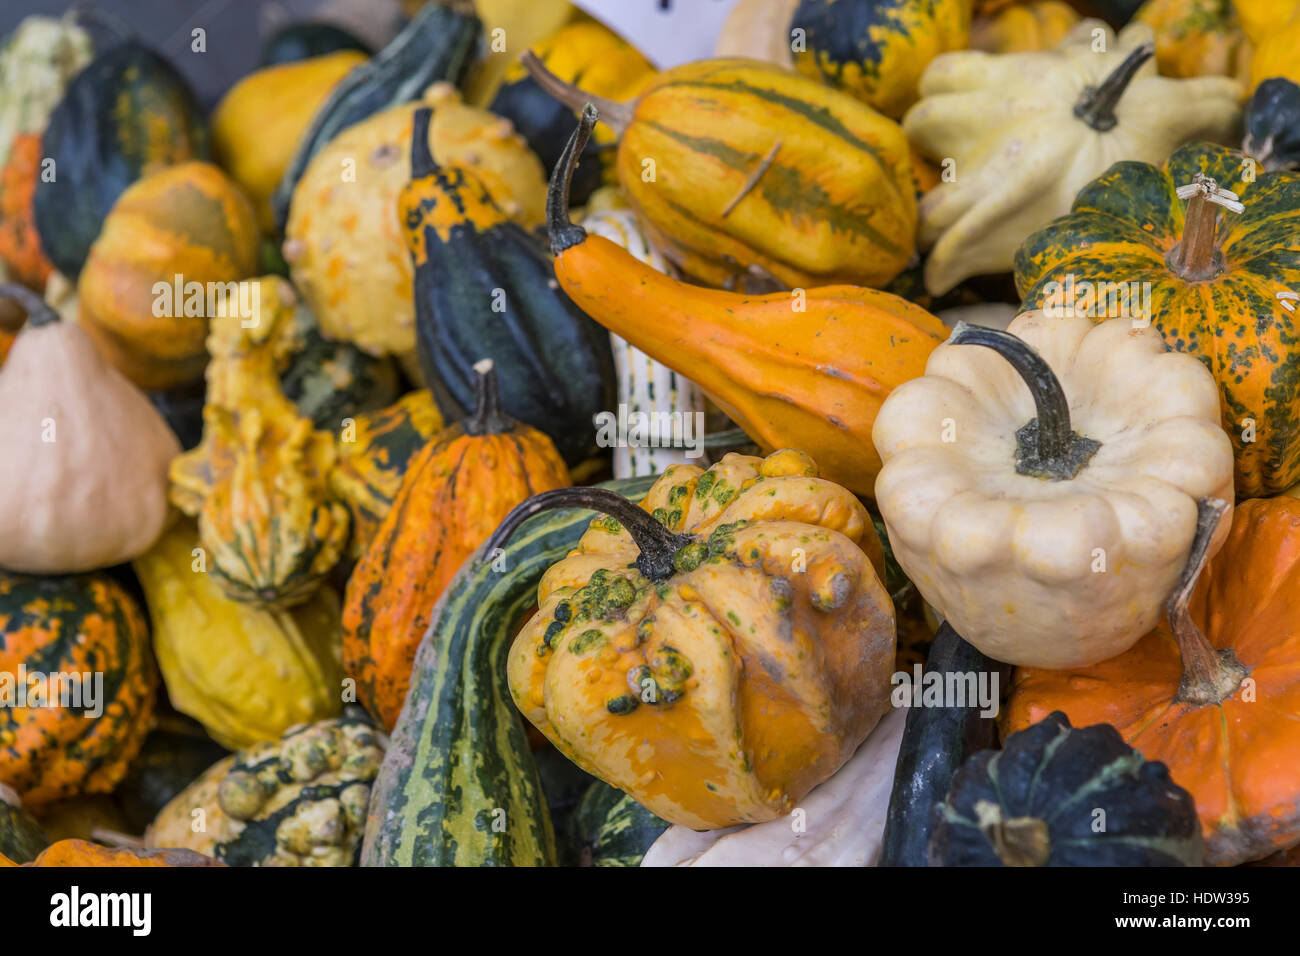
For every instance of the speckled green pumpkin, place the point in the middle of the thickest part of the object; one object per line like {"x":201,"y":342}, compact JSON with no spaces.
{"x":1125,"y":226}
{"x":459,"y":786}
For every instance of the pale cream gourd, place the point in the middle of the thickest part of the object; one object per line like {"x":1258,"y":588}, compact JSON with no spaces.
{"x":1021,"y":151}
{"x":1046,"y":556}
{"x":83,"y":477}
{"x":842,"y":821}
{"x":758,"y":30}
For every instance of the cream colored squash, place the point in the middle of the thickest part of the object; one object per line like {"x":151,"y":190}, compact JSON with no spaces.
{"x":1046,"y":556}
{"x":83,"y":476}
{"x":1021,"y":153}
{"x":758,"y":30}
{"x":842,"y":821}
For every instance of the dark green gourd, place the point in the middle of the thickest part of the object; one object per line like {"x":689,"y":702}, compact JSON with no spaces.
{"x":304,"y":40}
{"x":484,"y":287}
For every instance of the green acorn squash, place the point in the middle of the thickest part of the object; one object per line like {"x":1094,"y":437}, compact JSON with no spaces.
{"x":459,"y":786}
{"x":127,"y":114}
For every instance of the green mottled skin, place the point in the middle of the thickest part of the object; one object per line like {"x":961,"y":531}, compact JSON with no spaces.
{"x":1123,"y":228}
{"x":609,"y":828}
{"x":458,"y":760}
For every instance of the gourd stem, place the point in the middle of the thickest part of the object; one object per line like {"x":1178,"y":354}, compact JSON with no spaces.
{"x":617,"y":116}
{"x":1196,"y":257}
{"x":1210,"y":676}
{"x":1047,"y":447}
{"x":422,"y":161}
{"x":38,"y":311}
{"x":657,"y":544}
{"x":564,"y":234}
{"x":488,"y":418}
{"x":1017,"y":841}
{"x":1096,"y":106}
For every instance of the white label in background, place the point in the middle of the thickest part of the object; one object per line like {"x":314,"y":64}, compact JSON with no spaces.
{"x":668,"y":32}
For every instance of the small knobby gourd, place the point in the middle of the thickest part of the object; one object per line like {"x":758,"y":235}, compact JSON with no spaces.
{"x":373,"y":452}
{"x":471,"y":261}
{"x":188,"y":220}
{"x":1059,"y":796}
{"x":1023,"y":150}
{"x":218,"y":657}
{"x":126,"y":115}
{"x":258,"y":482}
{"x":1198,"y":38}
{"x":758,"y":30}
{"x":1211,"y":692}
{"x":455,"y":491}
{"x":716,"y":651}
{"x":300,"y":800}
{"x":842,"y":824}
{"x":1040,"y":489}
{"x":608,"y":65}
{"x":1215,"y":245}
{"x":435,"y":47}
{"x":258,"y":124}
{"x":877,"y":49}
{"x":744,"y":171}
{"x":84,"y":474}
{"x":459,"y":759}
{"x":83,"y":853}
{"x":1272,"y":124}
{"x":650,"y":391}
{"x":345,"y":238}
{"x":1021,"y":28}
{"x":807,"y":369}
{"x":80,"y":642}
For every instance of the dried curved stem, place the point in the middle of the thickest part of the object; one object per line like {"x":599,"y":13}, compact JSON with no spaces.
{"x":617,"y":116}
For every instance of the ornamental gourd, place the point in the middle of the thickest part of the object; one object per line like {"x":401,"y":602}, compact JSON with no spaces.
{"x":83,"y":853}
{"x":716,"y":651}
{"x":83,"y":476}
{"x":1220,"y":271}
{"x":1272,"y":123}
{"x":758,"y":30}
{"x":807,"y":370}
{"x":484,"y":288}
{"x":1211,"y":693}
{"x":1023,"y":150}
{"x":877,"y":49}
{"x":126,"y":115}
{"x":344,"y":238}
{"x":1198,"y":38}
{"x":21,"y":837}
{"x":455,"y":491}
{"x":218,"y":657}
{"x":297,"y":801}
{"x":1038,"y":800}
{"x":609,"y":828}
{"x":742,"y":171}
{"x":258,"y":124}
{"x":1040,"y":484}
{"x":258,"y":482}
{"x":1274,"y":28}
{"x":188,"y":221}
{"x":305,"y":40}
{"x":88,"y":640}
{"x":1021,"y":28}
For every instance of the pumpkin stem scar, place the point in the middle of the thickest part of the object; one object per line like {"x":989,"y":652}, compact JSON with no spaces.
{"x":488,"y":418}
{"x":764,"y":165}
{"x":617,"y":116}
{"x":658,"y":545}
{"x":38,"y":313}
{"x":1046,"y":447}
{"x":564,"y":234}
{"x":1195,"y":257}
{"x":1096,"y":106}
{"x":1210,"y":676}
{"x":1018,"y":841}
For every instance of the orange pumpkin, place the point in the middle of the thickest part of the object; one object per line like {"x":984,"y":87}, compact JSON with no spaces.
{"x":85,"y":853}
{"x":455,"y":492}
{"x":1219,"y":706}
{"x":20,"y":245}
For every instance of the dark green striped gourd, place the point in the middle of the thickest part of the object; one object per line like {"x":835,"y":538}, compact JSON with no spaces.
{"x":459,"y":786}
{"x":609,"y":828}
{"x":439,"y":44}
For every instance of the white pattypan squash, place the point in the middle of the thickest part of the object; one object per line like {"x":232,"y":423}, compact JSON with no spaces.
{"x":1024,"y":132}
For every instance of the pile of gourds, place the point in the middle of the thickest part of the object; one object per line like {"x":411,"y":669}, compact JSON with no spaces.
{"x":314,"y":552}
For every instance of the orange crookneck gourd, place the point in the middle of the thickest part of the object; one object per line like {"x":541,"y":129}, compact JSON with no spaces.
{"x":716,"y":651}
{"x":268,"y":521}
{"x":1214,"y":692}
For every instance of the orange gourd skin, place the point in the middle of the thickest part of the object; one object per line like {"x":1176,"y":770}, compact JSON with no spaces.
{"x":1237,"y":758}
{"x":455,"y":492}
{"x":84,"y":853}
{"x":20,"y":245}
{"x":68,"y":624}
{"x":724,"y":692}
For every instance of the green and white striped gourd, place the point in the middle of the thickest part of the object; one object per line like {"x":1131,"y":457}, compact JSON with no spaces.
{"x":644,"y":385}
